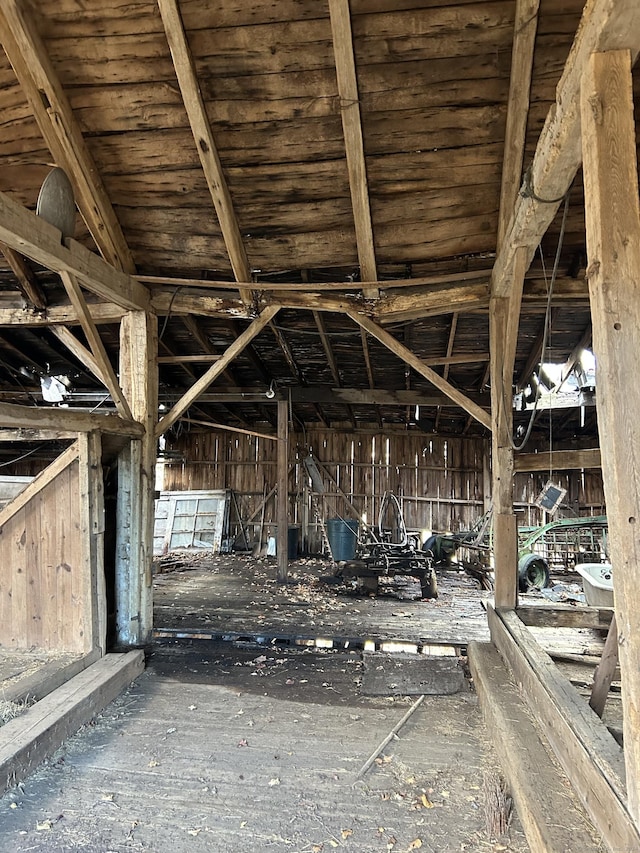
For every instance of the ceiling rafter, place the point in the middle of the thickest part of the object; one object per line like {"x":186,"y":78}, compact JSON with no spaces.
{"x":420,"y":367}
{"x":447,"y":363}
{"x":605,"y":25}
{"x":205,"y":144}
{"x":77,"y":349}
{"x":331,"y":359}
{"x":96,"y":345}
{"x":62,"y":134}
{"x":354,"y":146}
{"x":27,"y":282}
{"x":216,"y":369}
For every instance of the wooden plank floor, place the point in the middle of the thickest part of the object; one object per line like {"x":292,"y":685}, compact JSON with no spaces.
{"x":216,"y":748}
{"x":234,"y":594}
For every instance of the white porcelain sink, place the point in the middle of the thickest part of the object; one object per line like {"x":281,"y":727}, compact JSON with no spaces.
{"x":597,"y":580}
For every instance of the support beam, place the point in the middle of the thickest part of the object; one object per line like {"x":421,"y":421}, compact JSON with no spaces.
{"x":92,"y":335}
{"x":61,"y":131}
{"x":30,"y":235}
{"x":420,"y":367}
{"x":282,"y":496}
{"x":524,"y":39}
{"x":331,"y":359}
{"x":27,"y":282}
{"x":205,"y":143}
{"x":558,"y":460}
{"x":136,"y":481}
{"x":354,"y":147}
{"x":84,"y":356}
{"x":605,"y":24}
{"x":68,"y":420}
{"x":612,"y":215}
{"x":216,"y":369}
{"x":505,"y":548}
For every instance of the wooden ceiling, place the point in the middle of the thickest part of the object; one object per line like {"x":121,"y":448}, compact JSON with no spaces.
{"x":347,"y":160}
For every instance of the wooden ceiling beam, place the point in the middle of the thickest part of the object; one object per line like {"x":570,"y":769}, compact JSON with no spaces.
{"x":331,"y":359}
{"x":67,"y":420}
{"x":605,"y":25}
{"x":447,"y":361}
{"x":524,"y":39}
{"x":216,"y":369}
{"x":96,"y":345}
{"x":23,"y":231}
{"x":84,"y":355}
{"x":354,"y":146}
{"x":205,"y":144}
{"x":25,"y":277}
{"x":61,"y":131}
{"x":420,"y":367}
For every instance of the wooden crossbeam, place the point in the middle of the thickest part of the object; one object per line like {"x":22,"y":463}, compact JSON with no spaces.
{"x":216,"y":369}
{"x":61,"y":131}
{"x":27,"y":282}
{"x":30,"y":235}
{"x":354,"y":147}
{"x":95,"y":342}
{"x":68,"y":420}
{"x":205,"y":143}
{"x":77,"y":349}
{"x":558,"y":460}
{"x":605,"y":24}
{"x":420,"y":367}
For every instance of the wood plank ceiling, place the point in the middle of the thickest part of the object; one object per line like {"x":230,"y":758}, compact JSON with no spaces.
{"x":338,"y":158}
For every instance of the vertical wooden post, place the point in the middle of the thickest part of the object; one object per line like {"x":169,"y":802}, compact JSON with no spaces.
{"x":282,"y":508}
{"x":505,"y":550}
{"x":612,"y":216}
{"x":136,"y":481}
{"x":486,"y":476}
{"x":92,"y":526}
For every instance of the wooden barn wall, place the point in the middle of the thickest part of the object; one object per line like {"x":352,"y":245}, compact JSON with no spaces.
{"x":44,"y":601}
{"x":438,"y":480}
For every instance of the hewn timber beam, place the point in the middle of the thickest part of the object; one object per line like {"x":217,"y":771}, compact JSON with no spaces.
{"x":174,"y":303}
{"x":605,"y":25}
{"x":30,"y":235}
{"x":447,"y":362}
{"x":524,"y":39}
{"x":227,"y":428}
{"x":574,"y":356}
{"x":443,"y":299}
{"x":420,"y":367}
{"x":612,"y":219}
{"x":101,"y":312}
{"x":84,"y":356}
{"x":68,"y":420}
{"x":46,"y":435}
{"x":559,"y":460}
{"x":205,"y":143}
{"x":92,"y":335}
{"x":354,"y":147}
{"x":216,"y":369}
{"x":61,"y":131}
{"x":27,"y":282}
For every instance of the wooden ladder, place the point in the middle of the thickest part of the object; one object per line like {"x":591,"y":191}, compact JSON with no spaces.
{"x":320,"y":519}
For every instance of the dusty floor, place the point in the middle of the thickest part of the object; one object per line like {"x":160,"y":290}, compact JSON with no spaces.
{"x":220,"y":748}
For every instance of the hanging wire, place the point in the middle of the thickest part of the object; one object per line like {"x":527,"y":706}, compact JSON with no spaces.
{"x":547,"y":323}
{"x":20,"y":458}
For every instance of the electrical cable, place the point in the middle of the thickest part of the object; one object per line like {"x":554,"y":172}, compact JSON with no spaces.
{"x":20,"y":458}
{"x":547,"y":324}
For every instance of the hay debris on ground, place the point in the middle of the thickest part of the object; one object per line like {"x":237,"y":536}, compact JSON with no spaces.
{"x":498,"y":807}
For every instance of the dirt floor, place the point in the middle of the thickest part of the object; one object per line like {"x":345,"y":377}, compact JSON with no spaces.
{"x":225,"y":748}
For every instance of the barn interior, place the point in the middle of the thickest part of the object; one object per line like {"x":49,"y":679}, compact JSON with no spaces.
{"x":297,"y":263}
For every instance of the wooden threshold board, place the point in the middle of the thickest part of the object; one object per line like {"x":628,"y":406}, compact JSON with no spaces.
{"x":533,"y":779}
{"x":36,"y":734}
{"x":587,"y":751}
